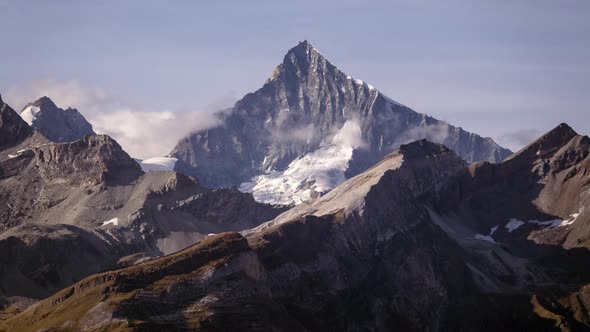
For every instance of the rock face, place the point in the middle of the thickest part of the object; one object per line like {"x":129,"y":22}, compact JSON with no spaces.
{"x":421,"y":241}
{"x":56,"y":124}
{"x":296,"y":121}
{"x":76,"y":208}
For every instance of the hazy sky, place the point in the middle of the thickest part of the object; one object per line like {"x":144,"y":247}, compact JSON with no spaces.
{"x":505,"y":69}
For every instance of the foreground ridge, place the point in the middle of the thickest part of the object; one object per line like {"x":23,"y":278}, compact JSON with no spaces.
{"x":419,"y":241}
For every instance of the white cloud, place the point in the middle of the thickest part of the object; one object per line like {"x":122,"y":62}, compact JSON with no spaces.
{"x":149,"y":134}
{"x":142,"y":133}
{"x":436,"y":133}
{"x":350,"y":135}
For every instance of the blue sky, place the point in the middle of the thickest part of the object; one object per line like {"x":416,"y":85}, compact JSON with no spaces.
{"x":506,"y":69}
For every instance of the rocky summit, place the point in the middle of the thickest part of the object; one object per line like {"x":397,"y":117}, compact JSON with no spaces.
{"x":309,"y":128}
{"x":56,"y":124}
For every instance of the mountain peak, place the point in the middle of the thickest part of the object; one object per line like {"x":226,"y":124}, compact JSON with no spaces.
{"x":43,"y":102}
{"x":548,"y":143}
{"x":54,"y":123}
{"x":299,"y":117}
{"x":301,"y":51}
{"x":301,"y":46}
{"x":300,"y":59}
{"x":561,"y":131}
{"x":556,"y":137}
{"x":421,"y":148}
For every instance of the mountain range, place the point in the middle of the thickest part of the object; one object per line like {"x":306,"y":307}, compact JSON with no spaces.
{"x":389,"y":220}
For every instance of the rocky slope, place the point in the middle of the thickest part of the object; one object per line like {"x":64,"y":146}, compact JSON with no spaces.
{"x":221,"y":270}
{"x":76,"y":208}
{"x":421,"y":241}
{"x":56,"y":124}
{"x":546,"y":185}
{"x":308,"y":129}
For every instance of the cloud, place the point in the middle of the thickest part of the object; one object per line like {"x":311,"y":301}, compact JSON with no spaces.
{"x":350,"y":135}
{"x":148,"y":134}
{"x":436,"y":133}
{"x":516,"y":140}
{"x":142,"y":133}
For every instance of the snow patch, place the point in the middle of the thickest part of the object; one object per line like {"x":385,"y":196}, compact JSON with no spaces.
{"x":488,"y":238}
{"x":514,"y":224}
{"x":29,"y":114}
{"x":485,"y":238}
{"x":158,"y":164}
{"x":18,"y":153}
{"x":320,"y":171}
{"x":549,"y":223}
{"x":114,"y":222}
{"x":361,"y":82}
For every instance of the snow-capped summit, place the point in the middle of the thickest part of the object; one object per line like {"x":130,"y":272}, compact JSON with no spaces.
{"x":291,"y":122}
{"x":56,"y":124}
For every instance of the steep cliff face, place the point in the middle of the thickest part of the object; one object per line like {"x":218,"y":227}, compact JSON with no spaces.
{"x":296,"y":121}
{"x":56,"y":124}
